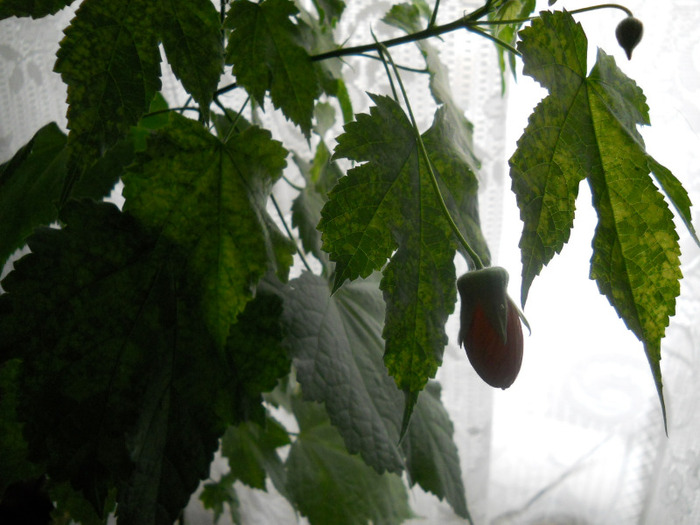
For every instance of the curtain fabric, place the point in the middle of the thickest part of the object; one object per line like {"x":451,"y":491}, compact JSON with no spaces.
{"x":578,"y":439}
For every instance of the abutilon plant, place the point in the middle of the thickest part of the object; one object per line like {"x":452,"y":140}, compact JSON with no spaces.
{"x":490,"y":328}
{"x":138,"y":341}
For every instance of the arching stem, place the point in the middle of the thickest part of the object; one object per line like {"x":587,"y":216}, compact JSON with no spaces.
{"x":478,"y":264}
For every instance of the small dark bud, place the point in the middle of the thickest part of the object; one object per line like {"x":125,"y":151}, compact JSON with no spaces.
{"x":629,"y":32}
{"x":490,"y":327}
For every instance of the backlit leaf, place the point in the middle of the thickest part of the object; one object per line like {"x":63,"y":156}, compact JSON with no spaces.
{"x":191,"y":34}
{"x":110,"y":61}
{"x":267,"y":57}
{"x":387,"y":209}
{"x":587,"y":128}
{"x":209,"y":197}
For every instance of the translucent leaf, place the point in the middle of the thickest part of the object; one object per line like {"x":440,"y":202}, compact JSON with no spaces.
{"x":267,"y":57}
{"x":509,"y":10}
{"x":209,"y":197}
{"x":110,"y":61}
{"x":320,"y":175}
{"x":587,"y":128}
{"x":386,"y":209}
{"x":191,"y":33}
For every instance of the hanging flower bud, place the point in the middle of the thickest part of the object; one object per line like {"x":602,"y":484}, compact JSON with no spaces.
{"x":629,"y":33}
{"x":490,"y":328}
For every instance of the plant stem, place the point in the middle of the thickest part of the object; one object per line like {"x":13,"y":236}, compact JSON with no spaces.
{"x":433,"y":17}
{"x":419,"y":35}
{"x":289,"y":233}
{"x":478,"y":264}
{"x":601,"y":6}
{"x":404,"y":68}
{"x":468,"y":22}
{"x":497,"y":41}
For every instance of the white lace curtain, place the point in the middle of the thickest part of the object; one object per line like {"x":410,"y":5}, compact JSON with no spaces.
{"x":578,"y":439}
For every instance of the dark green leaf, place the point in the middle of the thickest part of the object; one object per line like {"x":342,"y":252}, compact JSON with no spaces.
{"x":266,"y":56}
{"x":215,"y":495}
{"x":587,"y":128}
{"x":70,"y":503}
{"x":210,"y":197}
{"x":258,"y":358}
{"x":30,"y":186}
{"x":33,"y":8}
{"x":191,"y":33}
{"x":110,"y":61}
{"x":14,"y":463}
{"x":432,"y":458}
{"x":328,"y":485}
{"x":251,"y":450}
{"x":113,"y":352}
{"x":336,"y":346}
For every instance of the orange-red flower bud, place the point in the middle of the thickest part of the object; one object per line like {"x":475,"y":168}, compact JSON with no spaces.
{"x":490,"y":327}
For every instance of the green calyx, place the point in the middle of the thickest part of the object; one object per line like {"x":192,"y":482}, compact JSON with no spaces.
{"x":487,"y":287}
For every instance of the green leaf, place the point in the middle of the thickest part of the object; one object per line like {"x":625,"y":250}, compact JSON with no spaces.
{"x":191,"y":34}
{"x":33,"y":182}
{"x":215,"y":495}
{"x":336,"y":346}
{"x":329,"y":11}
{"x":110,"y":61}
{"x":258,"y":358}
{"x":114,"y":353}
{"x":449,"y":145}
{"x":266,"y":56}
{"x":33,"y":8}
{"x":30,"y":186}
{"x":432,"y":457}
{"x":412,"y":18}
{"x":14,"y":462}
{"x":328,"y":485}
{"x":251,"y":450}
{"x":209,"y":197}
{"x":71,"y":504}
{"x":559,"y":146}
{"x":388,"y":208}
{"x":587,"y":128}
{"x":321,"y":175}
{"x":509,"y":10}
